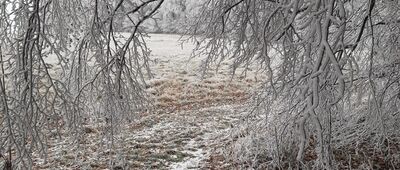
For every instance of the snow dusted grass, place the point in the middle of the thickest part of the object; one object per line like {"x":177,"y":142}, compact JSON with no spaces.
{"x":183,"y":131}
{"x":196,"y":124}
{"x":178,"y":85}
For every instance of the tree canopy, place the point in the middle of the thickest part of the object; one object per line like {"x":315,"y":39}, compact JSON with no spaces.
{"x":332,"y":66}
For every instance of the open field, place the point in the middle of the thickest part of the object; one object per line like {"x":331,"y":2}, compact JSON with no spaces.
{"x":192,"y":117}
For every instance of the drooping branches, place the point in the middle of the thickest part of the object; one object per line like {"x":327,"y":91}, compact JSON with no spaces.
{"x":315,"y":56}
{"x":64,"y":64}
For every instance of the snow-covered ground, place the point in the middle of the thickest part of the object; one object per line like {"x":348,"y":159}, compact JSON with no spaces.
{"x":191,"y":120}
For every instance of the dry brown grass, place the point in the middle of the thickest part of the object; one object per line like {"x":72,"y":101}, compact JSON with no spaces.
{"x":181,"y":94}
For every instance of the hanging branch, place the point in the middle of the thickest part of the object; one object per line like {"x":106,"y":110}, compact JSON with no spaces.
{"x":314,"y":56}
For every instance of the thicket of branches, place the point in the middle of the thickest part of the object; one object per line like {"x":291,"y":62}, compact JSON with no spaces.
{"x":333,"y":75}
{"x":332,"y":65}
{"x":63,"y":65}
